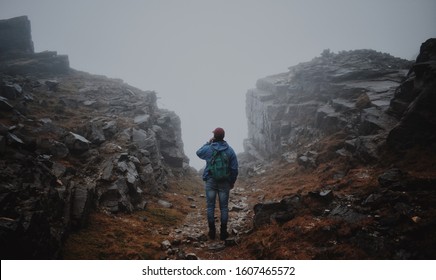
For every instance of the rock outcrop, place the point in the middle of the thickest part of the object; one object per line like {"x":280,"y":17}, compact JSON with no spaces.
{"x":71,"y":142}
{"x":346,"y":93}
{"x":15,"y":36}
{"x":355,"y":132}
{"x":414,"y":103}
{"x":17,"y":54}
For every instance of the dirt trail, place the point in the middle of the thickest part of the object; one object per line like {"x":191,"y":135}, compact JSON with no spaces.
{"x":191,"y":238}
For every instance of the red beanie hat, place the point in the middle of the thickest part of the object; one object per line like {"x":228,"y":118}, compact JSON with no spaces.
{"x":218,"y":133}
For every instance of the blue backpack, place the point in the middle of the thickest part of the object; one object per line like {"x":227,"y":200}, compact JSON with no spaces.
{"x":219,"y":166}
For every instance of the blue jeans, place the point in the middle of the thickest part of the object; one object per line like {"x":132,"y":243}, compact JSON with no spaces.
{"x":221,"y":189}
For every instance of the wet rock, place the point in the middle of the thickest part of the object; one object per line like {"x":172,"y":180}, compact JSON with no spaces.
{"x":4,"y":105}
{"x":372,"y":199}
{"x":82,"y":203}
{"x":308,"y":159}
{"x":238,"y":207}
{"x":281,"y":212}
{"x":11,"y":92}
{"x":110,"y":129}
{"x":363,"y":101}
{"x":93,"y":132}
{"x":144,"y":140}
{"x":53,"y":147}
{"x":76,"y":143}
{"x":89,"y":102}
{"x":128,"y":168}
{"x":142,"y":121}
{"x":165,"y":245}
{"x":216,"y":247}
{"x":165,"y":204}
{"x":14,"y":139}
{"x":346,"y":213}
{"x":393,"y":178}
{"x":325,"y":195}
{"x":191,"y":256}
{"x":324,"y":96}
{"x":368,"y":148}
{"x":108,"y":168}
{"x":231,"y":241}
{"x":413,"y":104}
{"x":141,"y":204}
{"x":52,"y":85}
{"x":115,"y":196}
{"x":58,"y":169}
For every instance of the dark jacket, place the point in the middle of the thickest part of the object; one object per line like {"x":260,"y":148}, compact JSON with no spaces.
{"x":206,"y":152}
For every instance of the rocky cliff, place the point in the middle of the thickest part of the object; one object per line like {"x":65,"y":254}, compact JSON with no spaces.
{"x":414,"y":101}
{"x":345,"y":158}
{"x":71,"y":142}
{"x":348,"y":93}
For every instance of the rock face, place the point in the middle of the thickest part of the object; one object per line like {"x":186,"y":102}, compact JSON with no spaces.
{"x":71,"y":142}
{"x":15,"y":36}
{"x":414,"y":103}
{"x":17,"y":54}
{"x":347,"y":93}
{"x":352,"y":119}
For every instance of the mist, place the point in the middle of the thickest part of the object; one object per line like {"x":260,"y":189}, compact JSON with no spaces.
{"x":202,"y":56}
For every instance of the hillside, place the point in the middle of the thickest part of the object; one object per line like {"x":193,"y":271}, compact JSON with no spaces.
{"x":71,"y":144}
{"x":339,"y":163}
{"x":352,"y":135}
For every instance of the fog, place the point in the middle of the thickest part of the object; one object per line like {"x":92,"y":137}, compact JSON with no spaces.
{"x":202,"y":56}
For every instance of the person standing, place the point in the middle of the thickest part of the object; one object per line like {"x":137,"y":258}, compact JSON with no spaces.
{"x":220,"y":175}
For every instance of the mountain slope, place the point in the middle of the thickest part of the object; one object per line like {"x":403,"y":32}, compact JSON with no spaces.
{"x":71,"y":143}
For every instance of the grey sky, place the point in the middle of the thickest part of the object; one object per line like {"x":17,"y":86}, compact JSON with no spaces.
{"x":202,"y":56}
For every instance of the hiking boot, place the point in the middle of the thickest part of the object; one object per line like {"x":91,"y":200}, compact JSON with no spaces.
{"x":212,"y":231}
{"x":223,"y":233}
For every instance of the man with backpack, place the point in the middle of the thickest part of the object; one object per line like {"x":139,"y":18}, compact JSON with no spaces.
{"x":220,"y":176}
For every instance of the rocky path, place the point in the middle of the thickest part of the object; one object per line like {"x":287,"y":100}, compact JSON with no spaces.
{"x":190,"y":240}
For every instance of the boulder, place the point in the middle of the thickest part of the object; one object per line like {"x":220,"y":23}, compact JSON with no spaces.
{"x":165,"y":203}
{"x":93,"y":131}
{"x":11,"y":92}
{"x":82,"y":202}
{"x":143,"y":139}
{"x":280,"y":212}
{"x":76,"y":143}
{"x":115,"y":197}
{"x":142,"y":121}
{"x":52,"y":147}
{"x":52,"y":85}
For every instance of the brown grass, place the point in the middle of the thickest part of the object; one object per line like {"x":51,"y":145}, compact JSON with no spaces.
{"x":132,"y":236}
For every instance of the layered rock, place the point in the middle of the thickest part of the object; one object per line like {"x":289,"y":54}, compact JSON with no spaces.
{"x":17,"y":54}
{"x":414,"y":102}
{"x":15,"y":36}
{"x":71,"y":142}
{"x":346,"y":93}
